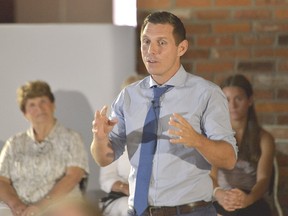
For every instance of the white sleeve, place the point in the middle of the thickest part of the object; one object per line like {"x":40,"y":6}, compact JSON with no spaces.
{"x":108,"y":176}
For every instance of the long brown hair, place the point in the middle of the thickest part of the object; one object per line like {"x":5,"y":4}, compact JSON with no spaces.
{"x":249,"y":148}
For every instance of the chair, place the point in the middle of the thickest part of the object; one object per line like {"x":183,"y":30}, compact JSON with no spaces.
{"x":275,"y":187}
{"x":272,"y":196}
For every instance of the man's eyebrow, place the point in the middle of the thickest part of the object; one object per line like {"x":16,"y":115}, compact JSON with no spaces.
{"x":158,"y":38}
{"x":162,"y":37}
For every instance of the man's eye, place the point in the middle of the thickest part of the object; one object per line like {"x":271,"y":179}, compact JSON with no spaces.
{"x":145,"y":41}
{"x":162,"y":42}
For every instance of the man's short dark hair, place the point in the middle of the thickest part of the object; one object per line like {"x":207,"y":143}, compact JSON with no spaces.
{"x":164,"y":17}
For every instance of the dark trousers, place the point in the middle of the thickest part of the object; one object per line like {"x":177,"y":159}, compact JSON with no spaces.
{"x":260,"y":207}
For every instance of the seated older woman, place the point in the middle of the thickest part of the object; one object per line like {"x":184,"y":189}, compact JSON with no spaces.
{"x":43,"y":163}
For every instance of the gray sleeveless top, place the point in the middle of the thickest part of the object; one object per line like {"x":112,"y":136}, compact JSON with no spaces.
{"x":243,"y":176}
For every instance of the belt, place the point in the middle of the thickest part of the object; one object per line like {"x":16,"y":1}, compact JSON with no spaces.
{"x":174,"y":210}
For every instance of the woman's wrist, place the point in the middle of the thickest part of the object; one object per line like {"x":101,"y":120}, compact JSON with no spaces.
{"x":249,"y":200}
{"x":15,"y":203}
{"x":45,"y":201}
{"x":118,"y":186}
{"x":215,"y":190}
{"x":17,"y":208}
{"x":121,"y":186}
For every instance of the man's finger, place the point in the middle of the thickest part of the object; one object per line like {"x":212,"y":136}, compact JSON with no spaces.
{"x":174,"y":123}
{"x":97,"y":114}
{"x":103,"y":111}
{"x":112,"y":122}
{"x":180,"y":119}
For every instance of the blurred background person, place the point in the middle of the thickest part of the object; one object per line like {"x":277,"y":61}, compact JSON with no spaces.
{"x":70,"y":206}
{"x":242,"y":189}
{"x":114,"y":177}
{"x":43,"y":163}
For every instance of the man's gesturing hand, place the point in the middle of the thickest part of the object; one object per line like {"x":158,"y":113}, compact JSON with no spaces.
{"x":102,"y":125}
{"x":101,"y":148}
{"x":185,"y":134}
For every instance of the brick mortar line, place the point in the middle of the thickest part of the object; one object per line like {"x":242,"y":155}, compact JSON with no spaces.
{"x":275,"y":126}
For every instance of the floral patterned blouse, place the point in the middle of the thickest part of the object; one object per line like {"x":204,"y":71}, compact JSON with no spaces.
{"x":34,"y":168}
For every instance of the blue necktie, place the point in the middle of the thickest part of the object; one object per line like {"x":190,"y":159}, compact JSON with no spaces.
{"x":148,"y":147}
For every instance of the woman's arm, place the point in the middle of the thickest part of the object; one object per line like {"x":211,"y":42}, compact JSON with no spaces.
{"x":110,"y":179}
{"x":264,"y":173}
{"x":67,"y":183}
{"x":227,"y":199}
{"x":264,"y":170}
{"x":108,"y":176}
{"x":9,"y":196}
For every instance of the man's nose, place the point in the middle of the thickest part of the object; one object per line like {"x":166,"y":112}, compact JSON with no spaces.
{"x":152,"y":48}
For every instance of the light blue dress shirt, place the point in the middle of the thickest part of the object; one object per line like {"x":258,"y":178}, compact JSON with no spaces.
{"x":180,"y":174}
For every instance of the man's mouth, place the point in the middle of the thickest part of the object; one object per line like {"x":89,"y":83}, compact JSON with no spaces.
{"x":151,"y":61}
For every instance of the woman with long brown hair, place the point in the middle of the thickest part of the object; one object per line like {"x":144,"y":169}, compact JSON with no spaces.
{"x":240,"y":191}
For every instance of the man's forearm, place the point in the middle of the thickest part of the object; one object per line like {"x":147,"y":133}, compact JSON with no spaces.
{"x":102,"y":152}
{"x":219,"y":153}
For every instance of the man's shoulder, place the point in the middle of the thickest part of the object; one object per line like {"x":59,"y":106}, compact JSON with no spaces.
{"x":138,"y":84}
{"x":135,"y":88}
{"x":198,"y":81}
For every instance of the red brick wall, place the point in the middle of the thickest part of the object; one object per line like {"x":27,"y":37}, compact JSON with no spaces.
{"x":240,"y":36}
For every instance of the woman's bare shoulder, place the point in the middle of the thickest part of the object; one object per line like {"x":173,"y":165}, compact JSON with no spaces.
{"x":267,"y":140}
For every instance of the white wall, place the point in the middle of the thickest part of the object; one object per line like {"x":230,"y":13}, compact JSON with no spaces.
{"x":84,"y":65}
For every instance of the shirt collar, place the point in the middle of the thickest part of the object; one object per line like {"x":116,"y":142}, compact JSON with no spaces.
{"x":30,"y":132}
{"x":177,"y":80}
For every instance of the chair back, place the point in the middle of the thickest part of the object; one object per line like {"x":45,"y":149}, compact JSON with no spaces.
{"x":275,"y":187}
{"x":272,"y":196}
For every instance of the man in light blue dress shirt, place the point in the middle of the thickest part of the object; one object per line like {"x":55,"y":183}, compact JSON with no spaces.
{"x":194,"y":130}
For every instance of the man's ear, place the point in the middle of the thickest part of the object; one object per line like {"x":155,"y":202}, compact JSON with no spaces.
{"x":182,"y":47}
